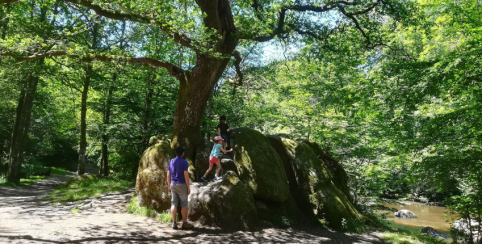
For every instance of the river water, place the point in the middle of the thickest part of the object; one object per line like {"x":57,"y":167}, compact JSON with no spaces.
{"x":432,"y":216}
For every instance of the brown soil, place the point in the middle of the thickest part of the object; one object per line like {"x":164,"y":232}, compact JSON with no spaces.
{"x":25,"y":218}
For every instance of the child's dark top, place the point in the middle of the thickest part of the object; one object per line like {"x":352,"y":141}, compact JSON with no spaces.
{"x":223,"y":127}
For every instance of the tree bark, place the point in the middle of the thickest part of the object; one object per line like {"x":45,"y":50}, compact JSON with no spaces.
{"x":194,"y":92}
{"x":196,"y":86}
{"x":83,"y":123}
{"x":20,"y":128}
{"x":147,"y":110}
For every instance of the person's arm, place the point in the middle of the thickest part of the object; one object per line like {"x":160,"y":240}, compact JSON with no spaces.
{"x":186,"y":178}
{"x":230,"y":150}
{"x":219,"y":131}
{"x":169,"y":180}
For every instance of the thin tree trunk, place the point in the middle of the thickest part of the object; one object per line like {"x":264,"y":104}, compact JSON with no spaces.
{"x":147,"y":109}
{"x":105,"y":137}
{"x":83,"y":123}
{"x":20,"y":128}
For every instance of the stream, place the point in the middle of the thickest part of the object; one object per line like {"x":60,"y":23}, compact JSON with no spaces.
{"x":432,"y":216}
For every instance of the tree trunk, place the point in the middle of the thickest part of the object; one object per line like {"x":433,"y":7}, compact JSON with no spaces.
{"x":147,"y":109}
{"x":20,"y":128}
{"x":196,"y":86}
{"x":104,"y":169}
{"x":83,"y":124}
{"x":194,"y":93}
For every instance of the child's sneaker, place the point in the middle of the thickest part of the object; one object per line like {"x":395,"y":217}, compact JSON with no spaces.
{"x":218,"y":177}
{"x":187,"y":226}
{"x":174,"y":225}
{"x":204,"y":178}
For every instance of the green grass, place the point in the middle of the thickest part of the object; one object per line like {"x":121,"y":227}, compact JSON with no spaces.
{"x":32,"y":179}
{"x":86,"y":186}
{"x":402,"y":234}
{"x":74,"y":210}
{"x":133,"y":208}
{"x":403,"y":237}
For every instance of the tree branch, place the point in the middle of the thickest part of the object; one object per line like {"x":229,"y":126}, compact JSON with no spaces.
{"x":304,"y":8}
{"x":237,"y":62}
{"x":316,"y":9}
{"x":355,"y":21}
{"x":173,"y":69}
{"x":122,"y":16}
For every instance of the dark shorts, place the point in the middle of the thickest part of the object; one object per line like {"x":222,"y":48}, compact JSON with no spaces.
{"x":225,"y":137}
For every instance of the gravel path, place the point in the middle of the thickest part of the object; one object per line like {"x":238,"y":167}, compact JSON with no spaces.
{"x":25,"y":218}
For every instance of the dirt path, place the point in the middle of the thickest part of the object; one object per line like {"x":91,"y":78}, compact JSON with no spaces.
{"x":25,"y":218}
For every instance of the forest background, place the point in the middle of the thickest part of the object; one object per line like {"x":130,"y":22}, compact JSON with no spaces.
{"x":401,"y":111}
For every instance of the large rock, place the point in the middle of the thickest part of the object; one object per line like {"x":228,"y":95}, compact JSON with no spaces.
{"x":151,"y":186}
{"x":405,"y":214}
{"x":259,"y":166}
{"x":461,"y":228}
{"x":338,"y":173}
{"x":203,"y":150}
{"x":433,"y":233}
{"x":311,"y":185}
{"x":228,"y":204}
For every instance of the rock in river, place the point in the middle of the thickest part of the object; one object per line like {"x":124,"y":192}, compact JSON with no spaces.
{"x":433,"y":232}
{"x":405,"y":214}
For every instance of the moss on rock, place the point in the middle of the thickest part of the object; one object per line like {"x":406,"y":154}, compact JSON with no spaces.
{"x":151,"y":186}
{"x":203,"y":150}
{"x":259,"y":166}
{"x":339,"y":176}
{"x":311,"y":183}
{"x":228,"y":204}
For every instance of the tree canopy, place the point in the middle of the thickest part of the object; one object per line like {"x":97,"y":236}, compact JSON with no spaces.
{"x":392,"y":88}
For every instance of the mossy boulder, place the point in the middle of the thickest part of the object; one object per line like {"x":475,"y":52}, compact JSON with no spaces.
{"x":151,"y":186}
{"x":311,"y":185}
{"x":228,"y":204}
{"x":339,"y":176}
{"x":281,"y":214}
{"x":259,"y":166}
{"x":201,"y":164}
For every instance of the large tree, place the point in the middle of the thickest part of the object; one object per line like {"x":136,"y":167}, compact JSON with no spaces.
{"x":213,"y":29}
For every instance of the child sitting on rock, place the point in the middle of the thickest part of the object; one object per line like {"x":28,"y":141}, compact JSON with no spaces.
{"x":214,"y":158}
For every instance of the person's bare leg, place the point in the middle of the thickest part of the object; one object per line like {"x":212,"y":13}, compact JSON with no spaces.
{"x":174,"y":212}
{"x":209,"y":169}
{"x":184,"y":214}
{"x":218,"y":169}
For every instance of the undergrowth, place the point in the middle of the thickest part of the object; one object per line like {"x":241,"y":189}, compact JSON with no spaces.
{"x":134,"y":208}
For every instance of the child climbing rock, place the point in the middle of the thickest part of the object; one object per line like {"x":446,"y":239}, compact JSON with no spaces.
{"x":214,"y":158}
{"x":223,"y":129}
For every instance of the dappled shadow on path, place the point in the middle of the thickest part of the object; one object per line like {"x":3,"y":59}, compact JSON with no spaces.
{"x":130,"y":234}
{"x":25,"y":218}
